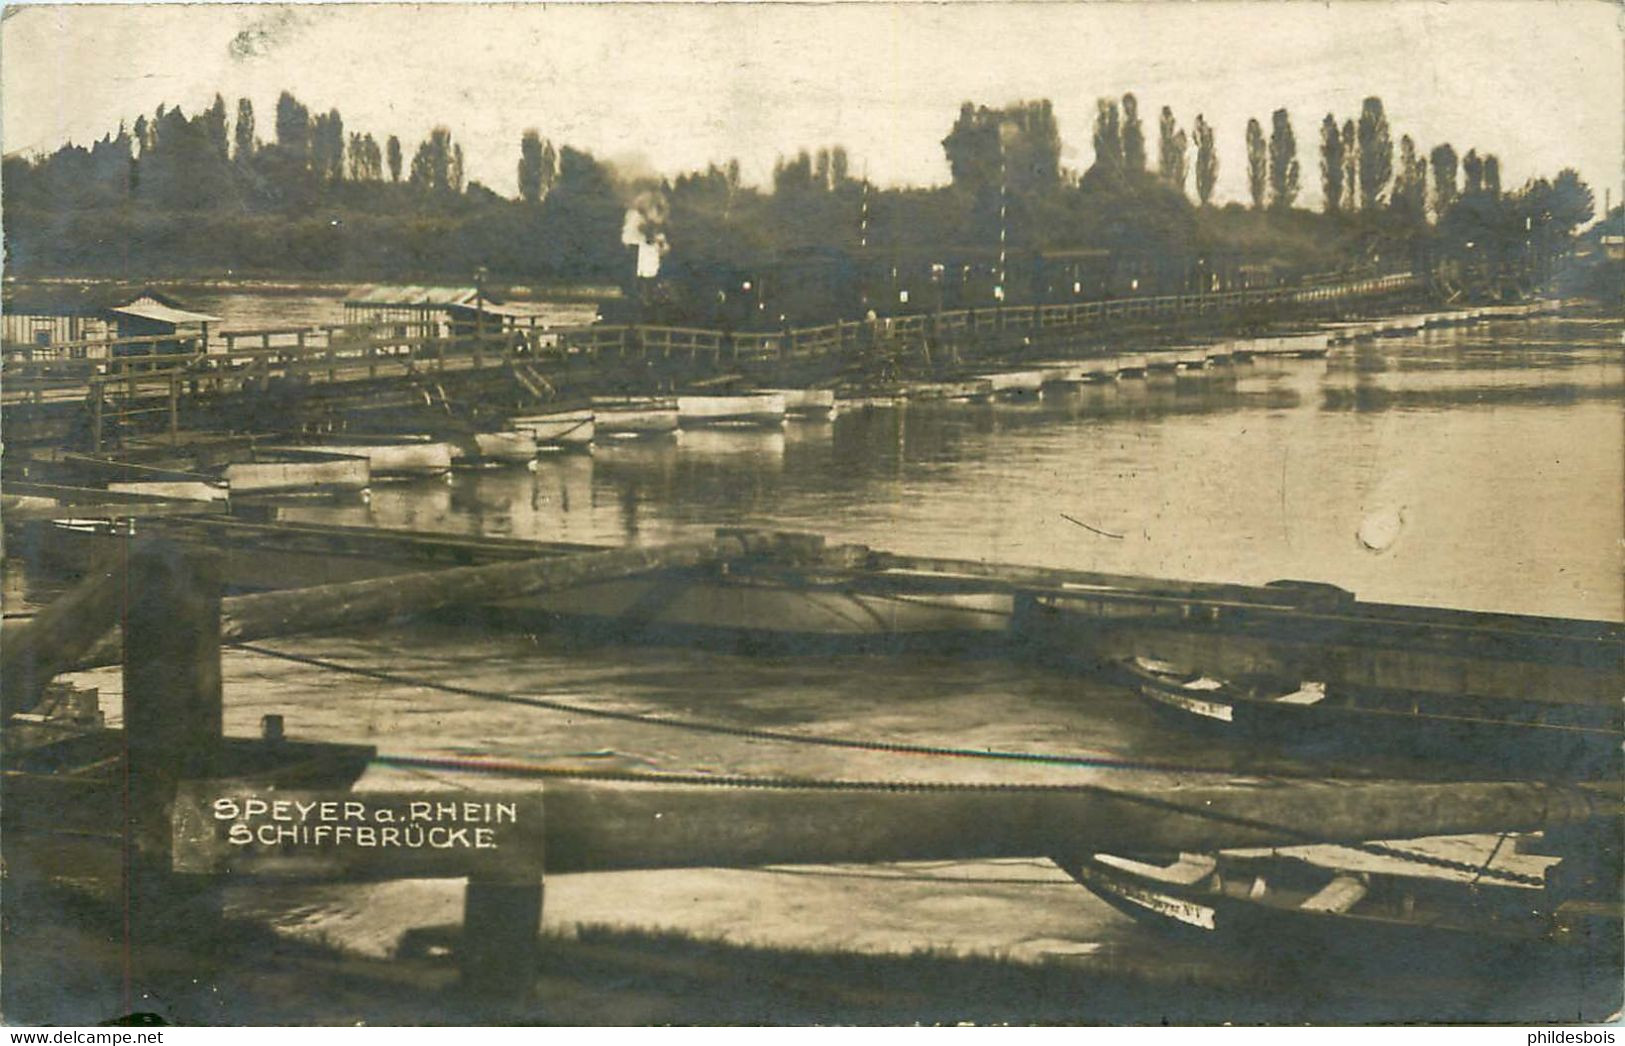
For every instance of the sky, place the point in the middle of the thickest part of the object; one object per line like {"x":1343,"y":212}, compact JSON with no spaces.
{"x":675,"y":86}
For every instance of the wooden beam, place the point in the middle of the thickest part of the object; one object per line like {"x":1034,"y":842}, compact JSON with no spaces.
{"x":342,"y":605}
{"x":172,"y":730}
{"x":598,"y":827}
{"x":223,"y":829}
{"x":294,"y":611}
{"x":57,"y":637}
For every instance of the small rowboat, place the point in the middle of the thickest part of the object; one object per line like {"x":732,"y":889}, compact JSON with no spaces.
{"x":1166,"y":686}
{"x":1294,"y":896}
{"x":1306,"y":715}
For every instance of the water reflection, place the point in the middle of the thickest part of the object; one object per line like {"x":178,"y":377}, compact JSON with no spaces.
{"x":1502,"y":454}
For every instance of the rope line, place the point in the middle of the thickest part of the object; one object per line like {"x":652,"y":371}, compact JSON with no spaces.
{"x":514,"y":769}
{"x":756,"y":733}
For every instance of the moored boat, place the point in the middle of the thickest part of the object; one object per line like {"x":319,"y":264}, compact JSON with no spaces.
{"x":403,"y":459}
{"x":970,"y":390}
{"x":501,"y":448}
{"x":1301,"y":897}
{"x":740,"y":409}
{"x":633,"y":416}
{"x":297,"y":471}
{"x":179,"y":490}
{"x":1304,"y":714}
{"x":1015,"y":382}
{"x":1204,"y":697}
{"x":1062,"y":372}
{"x":807,"y":403}
{"x":1102,"y":369}
{"x":1191,"y":357}
{"x":1133,"y":365}
{"x":570,"y":428}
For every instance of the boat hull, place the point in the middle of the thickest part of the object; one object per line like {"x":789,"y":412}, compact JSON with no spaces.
{"x":394,"y":460}
{"x":807,"y":403}
{"x":636,"y":417}
{"x":565,"y":428}
{"x":751,"y":410}
{"x":1341,"y":916}
{"x":1306,"y":719}
{"x":1010,"y":384}
{"x":508,"y":448}
{"x":274,"y":477}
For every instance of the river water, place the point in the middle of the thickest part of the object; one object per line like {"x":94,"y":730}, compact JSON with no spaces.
{"x":1477,"y":467}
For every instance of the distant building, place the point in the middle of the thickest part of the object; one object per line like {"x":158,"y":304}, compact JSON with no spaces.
{"x":51,"y":318}
{"x":444,"y":310}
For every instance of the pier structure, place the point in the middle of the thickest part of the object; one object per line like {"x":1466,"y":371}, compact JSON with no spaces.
{"x":95,"y":393}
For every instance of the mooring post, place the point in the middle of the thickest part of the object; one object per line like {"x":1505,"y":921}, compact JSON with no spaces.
{"x":174,"y":408}
{"x":96,"y":393}
{"x":172,"y":726}
{"x":501,"y":921}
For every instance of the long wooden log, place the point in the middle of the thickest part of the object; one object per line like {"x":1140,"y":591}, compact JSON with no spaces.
{"x":602,"y":827}
{"x":292,"y":611}
{"x":598,"y":827}
{"x":57,"y":638}
{"x":358,"y":602}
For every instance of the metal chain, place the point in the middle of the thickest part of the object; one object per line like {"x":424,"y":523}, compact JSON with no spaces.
{"x":836,"y":784}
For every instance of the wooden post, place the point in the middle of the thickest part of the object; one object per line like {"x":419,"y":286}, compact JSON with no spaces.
{"x":54,"y":638}
{"x":96,"y":393}
{"x":501,"y":920}
{"x":172,"y":726}
{"x":174,"y":408}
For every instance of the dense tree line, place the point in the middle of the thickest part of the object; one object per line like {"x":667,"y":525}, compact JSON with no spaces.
{"x":206,"y":193}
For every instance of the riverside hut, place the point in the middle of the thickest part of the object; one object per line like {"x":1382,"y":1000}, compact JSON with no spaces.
{"x":38,"y":319}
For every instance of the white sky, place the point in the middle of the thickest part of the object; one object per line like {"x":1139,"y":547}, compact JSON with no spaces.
{"x":1539,"y":82}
